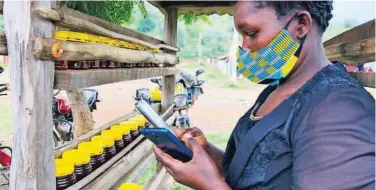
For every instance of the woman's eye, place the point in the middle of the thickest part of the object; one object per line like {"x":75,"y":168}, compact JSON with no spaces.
{"x":251,"y":34}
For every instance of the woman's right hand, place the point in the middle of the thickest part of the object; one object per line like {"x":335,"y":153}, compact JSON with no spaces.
{"x":196,"y":133}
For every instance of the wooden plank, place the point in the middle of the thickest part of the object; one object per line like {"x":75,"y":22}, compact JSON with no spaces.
{"x":361,"y":32}
{"x":137,"y":171}
{"x":73,"y":144}
{"x":365,"y":78}
{"x":82,"y":117}
{"x":103,"y":169}
{"x":113,"y":27}
{"x":31,"y":84}
{"x":352,"y":52}
{"x":155,"y":181}
{"x":71,"y":79}
{"x":166,"y":182}
{"x":75,"y":51}
{"x":84,"y":25}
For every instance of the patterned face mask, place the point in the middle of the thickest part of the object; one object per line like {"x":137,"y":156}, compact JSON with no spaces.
{"x":272,"y":63}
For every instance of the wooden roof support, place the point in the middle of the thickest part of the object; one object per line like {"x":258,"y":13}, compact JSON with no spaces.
{"x":31,"y":84}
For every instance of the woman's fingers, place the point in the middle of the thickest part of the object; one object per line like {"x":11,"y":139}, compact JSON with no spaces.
{"x":166,"y":159}
{"x":193,"y":145}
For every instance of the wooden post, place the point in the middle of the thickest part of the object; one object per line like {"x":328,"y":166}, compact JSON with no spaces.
{"x":171,"y":24}
{"x":168,"y":82}
{"x":82,"y":117}
{"x":31,"y":82}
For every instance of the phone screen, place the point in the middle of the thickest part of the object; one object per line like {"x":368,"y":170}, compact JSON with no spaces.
{"x":152,"y":116}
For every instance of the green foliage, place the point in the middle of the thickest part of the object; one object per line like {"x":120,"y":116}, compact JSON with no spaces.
{"x":117,"y":12}
{"x":191,"y":18}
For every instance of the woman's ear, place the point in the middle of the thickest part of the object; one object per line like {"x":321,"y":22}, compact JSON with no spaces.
{"x":304,"y":24}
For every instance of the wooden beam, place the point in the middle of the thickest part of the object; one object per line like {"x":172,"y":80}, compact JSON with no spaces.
{"x":90,"y":27}
{"x":113,"y":27}
{"x":86,"y":137}
{"x":137,"y":171}
{"x":114,"y":173}
{"x":359,"y":33}
{"x":130,"y":155}
{"x":352,"y":52}
{"x":71,"y":79}
{"x":31,"y":84}
{"x":82,"y":117}
{"x":168,"y":82}
{"x":75,"y":51}
{"x":156,"y":180}
{"x":366,"y":79}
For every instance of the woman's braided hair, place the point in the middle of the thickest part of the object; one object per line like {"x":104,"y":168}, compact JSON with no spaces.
{"x":321,"y":11}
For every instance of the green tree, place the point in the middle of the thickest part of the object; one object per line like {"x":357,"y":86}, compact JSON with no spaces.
{"x":117,"y":12}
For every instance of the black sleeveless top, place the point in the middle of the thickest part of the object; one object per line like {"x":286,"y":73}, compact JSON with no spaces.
{"x":321,"y":137}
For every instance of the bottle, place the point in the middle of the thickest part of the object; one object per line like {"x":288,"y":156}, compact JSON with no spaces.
{"x":147,"y":123}
{"x":108,"y":144}
{"x":130,"y":186}
{"x":125,"y":131}
{"x":133,"y":127}
{"x":64,"y":172}
{"x":118,"y":137}
{"x":81,"y":162}
{"x":140,"y":121}
{"x":95,"y":151}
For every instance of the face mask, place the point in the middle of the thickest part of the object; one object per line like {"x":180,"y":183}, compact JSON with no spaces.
{"x":272,"y":63}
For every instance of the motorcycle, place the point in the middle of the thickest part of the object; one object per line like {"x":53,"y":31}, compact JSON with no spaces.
{"x":5,"y":151}
{"x":187,"y":90}
{"x":62,"y":115}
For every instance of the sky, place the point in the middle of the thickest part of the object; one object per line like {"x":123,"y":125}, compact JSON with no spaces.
{"x":359,"y":10}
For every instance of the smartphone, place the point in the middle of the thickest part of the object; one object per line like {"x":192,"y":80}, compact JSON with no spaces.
{"x":168,"y":143}
{"x":152,"y":116}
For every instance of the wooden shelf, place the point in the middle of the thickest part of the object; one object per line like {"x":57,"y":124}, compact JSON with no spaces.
{"x":367,"y":79}
{"x":71,"y":79}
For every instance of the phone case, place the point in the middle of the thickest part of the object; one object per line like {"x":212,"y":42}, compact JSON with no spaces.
{"x":168,"y":142}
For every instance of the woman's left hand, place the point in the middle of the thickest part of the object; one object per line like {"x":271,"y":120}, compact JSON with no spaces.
{"x":199,"y":173}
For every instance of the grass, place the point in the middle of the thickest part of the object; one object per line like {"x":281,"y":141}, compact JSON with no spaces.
{"x":5,"y":119}
{"x":218,"y":139}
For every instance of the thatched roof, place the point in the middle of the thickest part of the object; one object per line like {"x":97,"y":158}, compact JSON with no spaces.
{"x":197,"y":7}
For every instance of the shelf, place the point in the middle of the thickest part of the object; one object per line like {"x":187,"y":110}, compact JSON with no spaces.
{"x":367,"y":79}
{"x":71,"y":79}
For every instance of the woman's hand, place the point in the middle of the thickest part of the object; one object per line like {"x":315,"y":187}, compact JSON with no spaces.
{"x":199,"y":173}
{"x":196,"y":133}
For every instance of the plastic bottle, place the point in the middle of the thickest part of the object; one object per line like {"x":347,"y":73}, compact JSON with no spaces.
{"x":125,"y":131}
{"x":81,"y":162}
{"x":64,"y":172}
{"x":108,"y":144}
{"x":147,"y":123}
{"x":140,"y":121}
{"x":95,"y":151}
{"x":133,"y":127}
{"x":130,"y":186}
{"x":118,"y":137}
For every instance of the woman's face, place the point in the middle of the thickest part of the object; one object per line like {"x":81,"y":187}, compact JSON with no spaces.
{"x":258,"y":26}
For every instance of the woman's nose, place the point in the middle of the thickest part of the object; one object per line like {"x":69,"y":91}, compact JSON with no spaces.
{"x":246,"y":46}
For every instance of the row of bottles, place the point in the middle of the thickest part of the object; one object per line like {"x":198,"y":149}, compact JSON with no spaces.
{"x":76,"y":164}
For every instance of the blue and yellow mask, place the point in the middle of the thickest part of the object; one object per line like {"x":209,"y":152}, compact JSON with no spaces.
{"x":273,"y":62}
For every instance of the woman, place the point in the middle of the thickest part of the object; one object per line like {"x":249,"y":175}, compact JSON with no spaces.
{"x":311,"y":128}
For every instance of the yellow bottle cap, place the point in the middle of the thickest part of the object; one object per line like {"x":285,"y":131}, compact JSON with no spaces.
{"x":76,"y":156}
{"x":130,"y":186}
{"x":124,"y":129}
{"x":142,"y":117}
{"x":139,"y":121}
{"x":93,"y":148}
{"x":105,"y":140}
{"x":116,"y":134}
{"x":132,"y":125}
{"x":64,"y":169}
